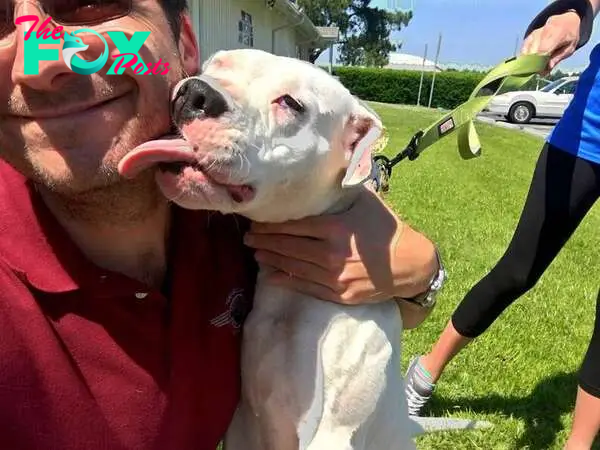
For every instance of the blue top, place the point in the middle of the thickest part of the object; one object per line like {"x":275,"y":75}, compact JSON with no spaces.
{"x":578,"y":131}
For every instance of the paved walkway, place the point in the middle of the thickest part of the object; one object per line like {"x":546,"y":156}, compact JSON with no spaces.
{"x":537,"y":127}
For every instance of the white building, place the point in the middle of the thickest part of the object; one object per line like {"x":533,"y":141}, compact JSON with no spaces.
{"x":404,"y":61}
{"x":276,"y":26}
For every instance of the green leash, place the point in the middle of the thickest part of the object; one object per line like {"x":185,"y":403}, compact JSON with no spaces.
{"x":507,"y":76}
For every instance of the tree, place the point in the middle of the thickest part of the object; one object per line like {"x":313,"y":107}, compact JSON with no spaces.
{"x":556,"y":75}
{"x":364,"y":29}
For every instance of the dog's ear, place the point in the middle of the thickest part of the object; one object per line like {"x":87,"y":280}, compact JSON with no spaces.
{"x":361,"y":131}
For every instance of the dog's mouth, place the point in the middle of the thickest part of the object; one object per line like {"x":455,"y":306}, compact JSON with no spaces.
{"x":176,"y":158}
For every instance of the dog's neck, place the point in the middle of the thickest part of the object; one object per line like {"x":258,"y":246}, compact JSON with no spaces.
{"x":313,"y":203}
{"x":275,"y":303}
{"x":344,"y":201}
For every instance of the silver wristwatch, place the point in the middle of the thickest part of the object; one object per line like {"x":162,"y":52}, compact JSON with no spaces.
{"x":428,"y":298}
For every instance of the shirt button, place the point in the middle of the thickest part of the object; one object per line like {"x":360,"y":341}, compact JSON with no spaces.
{"x":141,"y":295}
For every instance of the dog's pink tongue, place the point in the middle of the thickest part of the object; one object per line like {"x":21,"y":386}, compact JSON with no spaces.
{"x":154,"y":152}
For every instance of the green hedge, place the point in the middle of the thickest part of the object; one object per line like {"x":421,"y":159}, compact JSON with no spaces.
{"x":402,"y":86}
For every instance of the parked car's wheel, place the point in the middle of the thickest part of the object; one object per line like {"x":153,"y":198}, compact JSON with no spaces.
{"x":521,"y":112}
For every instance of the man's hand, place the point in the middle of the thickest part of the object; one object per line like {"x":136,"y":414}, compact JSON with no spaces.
{"x":558,"y":38}
{"x":365,"y":254}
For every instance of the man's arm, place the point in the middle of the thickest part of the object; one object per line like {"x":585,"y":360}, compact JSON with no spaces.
{"x":423,"y":277}
{"x":412,"y":314}
{"x":363,"y":255}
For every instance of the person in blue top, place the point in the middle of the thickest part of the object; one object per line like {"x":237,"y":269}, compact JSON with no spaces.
{"x":564,"y":187}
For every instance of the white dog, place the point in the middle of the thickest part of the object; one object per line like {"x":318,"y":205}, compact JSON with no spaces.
{"x":275,"y":139}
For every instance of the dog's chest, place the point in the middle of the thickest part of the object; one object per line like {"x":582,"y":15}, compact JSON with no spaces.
{"x":286,"y":313}
{"x":287,"y":332}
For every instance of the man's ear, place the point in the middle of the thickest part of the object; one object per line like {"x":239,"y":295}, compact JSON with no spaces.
{"x":188,"y":46}
{"x":362,"y":130}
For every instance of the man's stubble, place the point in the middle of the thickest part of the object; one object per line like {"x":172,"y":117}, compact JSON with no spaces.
{"x":97,"y":193}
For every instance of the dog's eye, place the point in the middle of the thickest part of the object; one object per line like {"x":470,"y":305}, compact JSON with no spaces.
{"x":290,"y":102}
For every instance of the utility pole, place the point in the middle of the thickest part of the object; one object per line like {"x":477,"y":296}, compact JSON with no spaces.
{"x":437,"y":55}
{"x":422,"y":74}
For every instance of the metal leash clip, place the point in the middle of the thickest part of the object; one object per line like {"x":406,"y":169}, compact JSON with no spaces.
{"x":384,"y":165}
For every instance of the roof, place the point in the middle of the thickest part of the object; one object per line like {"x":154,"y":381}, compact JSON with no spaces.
{"x":294,"y":13}
{"x":405,"y":58}
{"x":411,"y":62}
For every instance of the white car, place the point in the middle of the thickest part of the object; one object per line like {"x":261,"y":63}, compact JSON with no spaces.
{"x":548,"y":102}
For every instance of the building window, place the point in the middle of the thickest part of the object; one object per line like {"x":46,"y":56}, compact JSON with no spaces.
{"x":246,"y":32}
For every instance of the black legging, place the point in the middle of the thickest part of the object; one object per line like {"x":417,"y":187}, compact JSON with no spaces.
{"x":562,"y":191}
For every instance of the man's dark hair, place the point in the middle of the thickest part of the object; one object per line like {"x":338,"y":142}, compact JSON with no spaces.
{"x":173,"y":10}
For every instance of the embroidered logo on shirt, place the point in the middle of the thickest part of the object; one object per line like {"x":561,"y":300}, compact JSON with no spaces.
{"x":237,"y":310}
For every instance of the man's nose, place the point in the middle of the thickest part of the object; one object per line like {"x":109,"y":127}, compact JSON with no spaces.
{"x":196,"y":99}
{"x":50,"y":71}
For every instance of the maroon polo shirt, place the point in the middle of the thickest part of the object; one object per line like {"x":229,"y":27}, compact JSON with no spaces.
{"x":91,"y":359}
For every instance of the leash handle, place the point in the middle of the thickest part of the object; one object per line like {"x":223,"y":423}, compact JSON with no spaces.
{"x":507,"y":76}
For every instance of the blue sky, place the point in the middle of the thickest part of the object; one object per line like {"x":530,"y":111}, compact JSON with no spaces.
{"x":473,"y":31}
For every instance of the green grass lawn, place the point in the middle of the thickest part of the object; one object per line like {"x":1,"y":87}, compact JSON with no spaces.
{"x":521,"y":374}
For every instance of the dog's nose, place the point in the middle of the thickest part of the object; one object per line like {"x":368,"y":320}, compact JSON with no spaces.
{"x":196,"y":99}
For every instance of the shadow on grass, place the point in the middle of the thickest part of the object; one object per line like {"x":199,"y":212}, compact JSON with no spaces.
{"x":541,"y":410}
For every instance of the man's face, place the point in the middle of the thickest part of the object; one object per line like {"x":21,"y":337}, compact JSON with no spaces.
{"x":69,"y":131}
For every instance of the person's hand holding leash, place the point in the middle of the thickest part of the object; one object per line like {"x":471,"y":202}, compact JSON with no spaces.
{"x":558,"y":38}
{"x":363,"y":253}
{"x":560,"y":29}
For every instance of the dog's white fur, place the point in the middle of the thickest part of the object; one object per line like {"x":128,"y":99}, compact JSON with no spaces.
{"x":315,"y":375}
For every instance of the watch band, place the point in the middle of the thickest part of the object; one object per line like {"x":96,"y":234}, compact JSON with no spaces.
{"x":428,"y":298}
